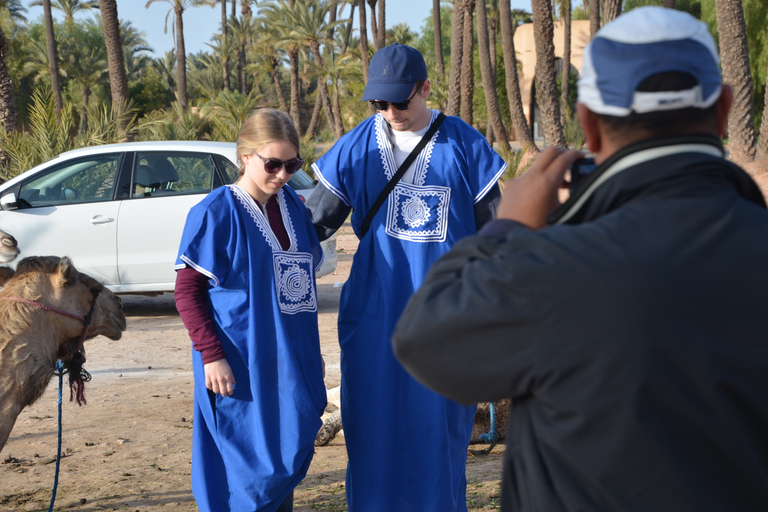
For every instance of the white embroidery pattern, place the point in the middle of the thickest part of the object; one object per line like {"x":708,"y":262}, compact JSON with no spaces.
{"x":293,"y":279}
{"x":388,"y":157}
{"x":415,"y":212}
{"x":418,"y":214}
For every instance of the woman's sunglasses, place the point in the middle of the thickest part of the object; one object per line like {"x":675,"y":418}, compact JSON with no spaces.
{"x":273,"y":165}
{"x":384,"y":105}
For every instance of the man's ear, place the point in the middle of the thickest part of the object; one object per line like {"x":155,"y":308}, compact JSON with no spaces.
{"x":426,"y":87}
{"x":589,"y":124}
{"x":724,"y":104}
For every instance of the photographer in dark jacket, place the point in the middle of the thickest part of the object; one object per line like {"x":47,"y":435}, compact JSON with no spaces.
{"x":627,"y":324}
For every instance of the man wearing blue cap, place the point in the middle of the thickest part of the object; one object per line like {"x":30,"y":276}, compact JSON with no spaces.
{"x":627,"y":324}
{"x":407,"y":445}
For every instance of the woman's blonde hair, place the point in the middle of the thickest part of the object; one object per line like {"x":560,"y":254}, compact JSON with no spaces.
{"x":265,"y":125}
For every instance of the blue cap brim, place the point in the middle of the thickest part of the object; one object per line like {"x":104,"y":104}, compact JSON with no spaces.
{"x":394,"y":93}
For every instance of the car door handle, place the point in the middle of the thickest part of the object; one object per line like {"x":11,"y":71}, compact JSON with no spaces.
{"x":100,"y":219}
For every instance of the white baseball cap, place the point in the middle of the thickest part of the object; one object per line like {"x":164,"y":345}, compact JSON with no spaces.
{"x":639,"y":44}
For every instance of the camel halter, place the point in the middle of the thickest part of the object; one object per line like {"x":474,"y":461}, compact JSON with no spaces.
{"x":85,"y":320}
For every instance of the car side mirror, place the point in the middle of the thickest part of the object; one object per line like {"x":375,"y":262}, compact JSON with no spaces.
{"x":9,"y":201}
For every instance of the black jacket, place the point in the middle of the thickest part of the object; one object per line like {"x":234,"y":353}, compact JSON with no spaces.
{"x":633,"y":339}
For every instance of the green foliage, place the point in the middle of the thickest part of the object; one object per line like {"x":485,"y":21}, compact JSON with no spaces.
{"x":175,"y":124}
{"x":150,"y":93}
{"x":49,"y":135}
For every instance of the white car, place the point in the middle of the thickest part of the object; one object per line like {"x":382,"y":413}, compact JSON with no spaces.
{"x":118,"y":210}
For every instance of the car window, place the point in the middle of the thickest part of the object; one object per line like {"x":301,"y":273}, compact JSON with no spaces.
{"x":230,"y":170}
{"x":301,"y":181}
{"x":84,"y":180}
{"x":167,"y":173}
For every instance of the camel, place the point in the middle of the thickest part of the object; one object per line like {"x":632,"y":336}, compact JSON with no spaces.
{"x":9,"y":249}
{"x":482,"y":425}
{"x":47,"y":310}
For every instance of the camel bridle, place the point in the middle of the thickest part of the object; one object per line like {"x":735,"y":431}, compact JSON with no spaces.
{"x":84,"y":319}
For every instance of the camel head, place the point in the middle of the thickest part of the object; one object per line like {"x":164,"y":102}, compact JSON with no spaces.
{"x":9,"y":248}
{"x":56,"y":283}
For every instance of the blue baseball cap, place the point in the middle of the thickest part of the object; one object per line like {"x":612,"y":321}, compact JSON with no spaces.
{"x":639,"y":44}
{"x":393,"y":72}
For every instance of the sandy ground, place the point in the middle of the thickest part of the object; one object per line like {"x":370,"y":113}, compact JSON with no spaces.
{"x":129,"y":447}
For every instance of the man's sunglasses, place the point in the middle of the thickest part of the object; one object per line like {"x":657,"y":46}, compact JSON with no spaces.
{"x":273,"y":165}
{"x":384,"y":105}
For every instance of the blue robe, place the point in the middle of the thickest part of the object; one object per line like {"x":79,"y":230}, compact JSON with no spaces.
{"x":251,"y":449}
{"x":407,"y":445}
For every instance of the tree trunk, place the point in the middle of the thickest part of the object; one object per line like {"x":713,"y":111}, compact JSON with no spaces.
{"x":234,"y":9}
{"x":374,"y":25}
{"x":53,"y":57}
{"x":611,"y":9}
{"x":594,"y":17}
{"x":181,"y":61}
{"x":438,"y":38}
{"x":454,"y":79}
{"x":315,"y":119}
{"x":363,"y":40}
{"x":382,"y":24}
{"x":734,"y":56}
{"x":762,"y":148}
{"x":118,"y":81}
{"x":669,"y":4}
{"x":293,"y":59}
{"x":489,"y":77}
{"x":522,"y":129}
{"x":7,"y":96}
{"x":224,"y":39}
{"x":322,"y":90}
{"x":348,"y":33}
{"x":278,"y":88}
{"x":84,"y":111}
{"x":546,"y":77}
{"x":468,"y":65}
{"x":565,"y":80}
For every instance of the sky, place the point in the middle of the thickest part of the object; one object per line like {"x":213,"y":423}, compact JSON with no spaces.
{"x":201,"y":22}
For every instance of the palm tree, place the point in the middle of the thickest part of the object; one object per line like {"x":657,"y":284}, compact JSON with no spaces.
{"x":382,"y":23}
{"x":438,"y":38}
{"x":177,"y":8}
{"x":305,"y":24}
{"x":734,"y":56}
{"x":565,"y":75}
{"x":522,"y":129}
{"x":363,"y":40}
{"x":594,"y":17}
{"x":611,"y":9}
{"x":53,"y":58}
{"x":68,"y":7}
{"x":241,"y":29}
{"x":762,"y":146}
{"x":348,"y":34}
{"x":546,"y":78}
{"x":224,"y":37}
{"x":8,"y":112}
{"x":374,"y":25}
{"x":669,"y":4}
{"x":135,"y":51}
{"x":268,"y":56}
{"x":118,"y":80}
{"x":402,"y":33}
{"x":467,"y":64}
{"x":489,"y":77}
{"x":87,"y":68}
{"x":454,"y":79}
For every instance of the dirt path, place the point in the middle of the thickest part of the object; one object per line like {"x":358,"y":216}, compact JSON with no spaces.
{"x":129,"y":447}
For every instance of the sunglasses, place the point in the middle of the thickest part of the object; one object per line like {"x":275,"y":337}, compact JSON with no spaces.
{"x":384,"y":105}
{"x":273,"y":165}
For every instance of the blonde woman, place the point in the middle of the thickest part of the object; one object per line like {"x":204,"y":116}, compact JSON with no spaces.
{"x":246,"y":292}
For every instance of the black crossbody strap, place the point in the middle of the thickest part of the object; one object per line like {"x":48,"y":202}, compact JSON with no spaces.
{"x":399,"y":174}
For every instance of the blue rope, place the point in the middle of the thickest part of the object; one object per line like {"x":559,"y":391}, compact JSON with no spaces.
{"x":490,"y":437}
{"x":60,"y":372}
